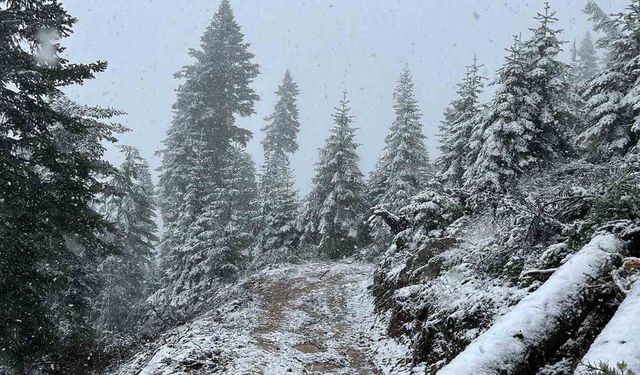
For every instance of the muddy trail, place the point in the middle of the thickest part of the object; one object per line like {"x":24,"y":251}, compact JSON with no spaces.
{"x":314,"y":318}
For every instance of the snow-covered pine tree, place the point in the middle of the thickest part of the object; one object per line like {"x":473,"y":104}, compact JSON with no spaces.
{"x":131,"y":210}
{"x":241,"y":191}
{"x":613,"y":95}
{"x":404,"y":167}
{"x":587,"y":64}
{"x":533,"y":114}
{"x":557,"y":106}
{"x":216,"y":244}
{"x":501,"y":137}
{"x":201,"y":145}
{"x":334,"y":209}
{"x":584,"y":65}
{"x":51,"y":164}
{"x":281,"y":132}
{"x":279,"y":208}
{"x":457,"y":127}
{"x":604,"y":24}
{"x":278,"y":197}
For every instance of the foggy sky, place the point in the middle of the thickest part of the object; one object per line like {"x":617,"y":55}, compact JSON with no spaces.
{"x":329,"y":46}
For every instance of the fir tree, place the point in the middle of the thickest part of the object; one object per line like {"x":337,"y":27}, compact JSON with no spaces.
{"x":457,"y":127}
{"x":131,"y":210}
{"x":215,"y":245}
{"x":613,"y":94}
{"x":403,"y":169}
{"x":334,"y":208}
{"x":556,"y":112}
{"x":278,"y":198}
{"x":283,"y":125}
{"x":51,"y":164}
{"x":533,"y":115}
{"x":279,"y":207}
{"x":500,"y":138}
{"x":201,"y":148}
{"x":603,"y":23}
{"x":587,"y":64}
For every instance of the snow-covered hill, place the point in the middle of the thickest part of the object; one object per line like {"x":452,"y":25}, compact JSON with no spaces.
{"x":298,"y":319}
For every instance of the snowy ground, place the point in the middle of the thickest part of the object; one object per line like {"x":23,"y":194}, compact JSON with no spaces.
{"x":314,"y":318}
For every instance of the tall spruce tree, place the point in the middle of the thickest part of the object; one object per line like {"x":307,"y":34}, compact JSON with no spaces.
{"x":278,"y":197}
{"x":51,"y":163}
{"x":457,"y":127}
{"x":533,"y":114}
{"x":281,"y":132}
{"x":603,"y":23}
{"x":202,"y":144}
{"x":556,"y":114}
{"x":613,"y":95}
{"x":404,"y":166}
{"x":587,"y":64}
{"x":279,"y":208}
{"x":216,"y":244}
{"x":131,"y":210}
{"x":500,"y":138}
{"x":335,"y":206}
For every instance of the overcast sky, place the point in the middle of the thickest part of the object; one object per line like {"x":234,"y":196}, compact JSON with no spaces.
{"x":329,"y":46}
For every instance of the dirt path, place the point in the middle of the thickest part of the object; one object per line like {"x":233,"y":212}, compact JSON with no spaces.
{"x":314,"y":320}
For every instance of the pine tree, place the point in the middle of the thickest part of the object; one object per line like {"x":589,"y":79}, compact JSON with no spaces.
{"x":603,"y":23}
{"x":283,"y":125}
{"x":334,"y":208}
{"x":613,"y":95}
{"x":457,"y":127}
{"x":533,"y":114}
{"x":556,"y":115}
{"x":278,"y":198}
{"x":501,"y":137}
{"x":216,"y":244}
{"x":279,"y":208}
{"x":588,"y":59}
{"x":403,"y":169}
{"x":51,"y":164}
{"x":131,"y":210}
{"x":202,"y":145}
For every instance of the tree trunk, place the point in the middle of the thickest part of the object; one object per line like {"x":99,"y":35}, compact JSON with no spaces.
{"x":619,"y":341}
{"x":519,"y":341}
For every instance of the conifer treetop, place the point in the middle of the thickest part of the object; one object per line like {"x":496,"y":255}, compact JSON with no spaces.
{"x":283,"y":125}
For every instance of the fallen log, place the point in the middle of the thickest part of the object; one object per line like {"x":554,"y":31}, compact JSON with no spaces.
{"x":540,"y":275}
{"x":520,"y":340}
{"x":619,"y":341}
{"x":396,"y":224}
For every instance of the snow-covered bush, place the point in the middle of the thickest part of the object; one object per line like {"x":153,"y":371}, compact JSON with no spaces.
{"x":618,"y":198}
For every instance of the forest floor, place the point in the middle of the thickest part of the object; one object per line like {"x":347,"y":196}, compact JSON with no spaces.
{"x":314,"y":318}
